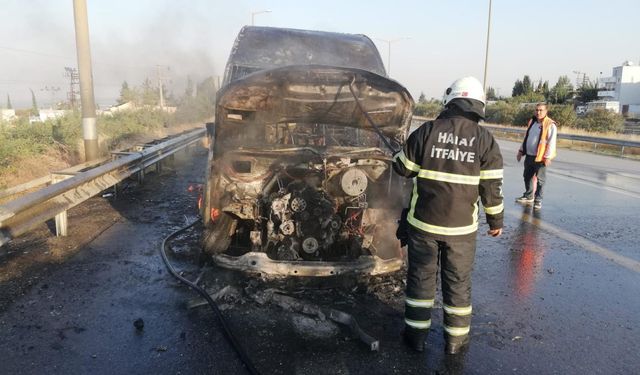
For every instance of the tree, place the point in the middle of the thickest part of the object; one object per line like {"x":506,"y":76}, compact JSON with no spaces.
{"x":188,"y":91}
{"x":491,"y":93}
{"x":9,"y":102}
{"x":545,"y":90}
{"x":199,"y":107}
{"x":587,"y":92}
{"x":430,"y":108}
{"x":149,"y":93}
{"x":422,"y":99}
{"x":34,"y":105}
{"x":126,"y":94}
{"x":518,"y":89}
{"x":561,"y":91}
{"x":527,"y":87}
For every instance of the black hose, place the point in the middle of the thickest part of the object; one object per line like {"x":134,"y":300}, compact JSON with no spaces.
{"x":366,"y":115}
{"x":227,"y":331}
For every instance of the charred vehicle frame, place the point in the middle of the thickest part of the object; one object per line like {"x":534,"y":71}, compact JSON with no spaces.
{"x":298,"y":180}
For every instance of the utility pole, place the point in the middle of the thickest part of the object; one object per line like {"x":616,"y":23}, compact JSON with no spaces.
{"x":160,"y":78}
{"x":253,"y":15}
{"x":389,"y":41}
{"x":486,"y":54}
{"x":74,"y":79}
{"x":577,"y":73}
{"x":89,"y":129}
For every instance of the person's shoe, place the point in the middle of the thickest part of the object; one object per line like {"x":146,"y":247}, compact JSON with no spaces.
{"x":455,"y":346}
{"x":415,"y":338}
{"x":524,"y":200}
{"x":537,"y":205}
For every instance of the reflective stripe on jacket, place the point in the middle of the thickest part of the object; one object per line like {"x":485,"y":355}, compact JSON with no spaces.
{"x":452,"y":161}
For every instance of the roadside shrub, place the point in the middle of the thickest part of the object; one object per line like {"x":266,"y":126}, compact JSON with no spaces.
{"x":508,"y":113}
{"x":428,"y":109}
{"x":501,"y":113}
{"x":523,"y":114}
{"x":67,"y":130}
{"x":532,"y":97}
{"x":194,"y":109}
{"x":24,"y":139}
{"x":601,"y":120}
{"x":129,"y":123}
{"x":564,"y":115}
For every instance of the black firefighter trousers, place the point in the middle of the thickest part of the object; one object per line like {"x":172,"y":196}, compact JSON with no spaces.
{"x":456,"y":265}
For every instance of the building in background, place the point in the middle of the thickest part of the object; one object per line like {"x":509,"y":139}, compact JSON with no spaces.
{"x":7,"y":114}
{"x":623,"y":87}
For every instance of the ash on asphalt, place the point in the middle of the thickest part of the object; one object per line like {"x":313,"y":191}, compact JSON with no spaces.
{"x":70,"y":305}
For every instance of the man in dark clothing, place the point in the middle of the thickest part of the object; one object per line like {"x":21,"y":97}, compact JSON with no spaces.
{"x":452,"y":161}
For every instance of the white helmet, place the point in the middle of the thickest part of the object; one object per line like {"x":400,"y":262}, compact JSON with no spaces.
{"x":467,"y":88}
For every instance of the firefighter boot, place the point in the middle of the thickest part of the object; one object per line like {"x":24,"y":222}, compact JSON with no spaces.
{"x":415,"y":338}
{"x":456,"y":344}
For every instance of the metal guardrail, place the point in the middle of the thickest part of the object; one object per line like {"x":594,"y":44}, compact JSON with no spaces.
{"x":48,"y":180}
{"x":580,"y":138}
{"x":72,"y":188}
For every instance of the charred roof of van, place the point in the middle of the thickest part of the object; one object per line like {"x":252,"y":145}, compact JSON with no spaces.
{"x":259,"y":48}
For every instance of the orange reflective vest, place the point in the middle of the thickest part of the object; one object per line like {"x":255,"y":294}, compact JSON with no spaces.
{"x":542,"y":142}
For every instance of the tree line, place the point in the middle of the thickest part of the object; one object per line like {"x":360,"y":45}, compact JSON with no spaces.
{"x":518,"y":109}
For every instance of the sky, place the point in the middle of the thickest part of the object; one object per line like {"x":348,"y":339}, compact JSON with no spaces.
{"x":435,"y":42}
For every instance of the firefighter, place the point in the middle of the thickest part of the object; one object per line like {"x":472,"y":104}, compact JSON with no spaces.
{"x":452,"y":161}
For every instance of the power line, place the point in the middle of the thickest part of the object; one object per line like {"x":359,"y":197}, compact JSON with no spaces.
{"x":73,"y":58}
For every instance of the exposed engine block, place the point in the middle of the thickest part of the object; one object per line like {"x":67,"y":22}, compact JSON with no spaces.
{"x":304,"y":222}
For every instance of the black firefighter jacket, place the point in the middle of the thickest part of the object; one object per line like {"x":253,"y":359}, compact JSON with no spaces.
{"x":452,"y":161}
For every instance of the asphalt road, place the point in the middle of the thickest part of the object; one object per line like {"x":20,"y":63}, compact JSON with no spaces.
{"x":557,"y":293}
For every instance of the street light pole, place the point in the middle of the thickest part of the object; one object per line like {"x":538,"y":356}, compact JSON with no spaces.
{"x":389,"y":41}
{"x":486,"y":54}
{"x":253,"y":14}
{"x":89,"y":129}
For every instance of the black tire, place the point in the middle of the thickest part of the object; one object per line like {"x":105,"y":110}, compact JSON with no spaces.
{"x":217,"y":237}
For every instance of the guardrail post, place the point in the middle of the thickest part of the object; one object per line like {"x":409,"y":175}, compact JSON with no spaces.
{"x":141,"y":176}
{"x":61,"y":219}
{"x":61,"y":224}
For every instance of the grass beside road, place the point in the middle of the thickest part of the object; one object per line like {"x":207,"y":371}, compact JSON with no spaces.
{"x":29,"y":151}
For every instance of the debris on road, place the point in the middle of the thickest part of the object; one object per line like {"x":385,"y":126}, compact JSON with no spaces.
{"x":322,"y":313}
{"x":139,"y":324}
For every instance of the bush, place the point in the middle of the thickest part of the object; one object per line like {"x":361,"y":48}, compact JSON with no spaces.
{"x":125,"y":124}
{"x":500,"y":113}
{"x":524,"y":114}
{"x":532,"y":97}
{"x":428,"y":109}
{"x":194,"y":109}
{"x":509,"y":113}
{"x":564,"y":115}
{"x":24,"y":139}
{"x":601,"y":120}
